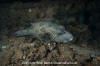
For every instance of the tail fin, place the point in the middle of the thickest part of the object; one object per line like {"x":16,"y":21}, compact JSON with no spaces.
{"x":21,"y":33}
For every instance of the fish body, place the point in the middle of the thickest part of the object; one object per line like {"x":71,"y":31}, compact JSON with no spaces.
{"x":46,"y":31}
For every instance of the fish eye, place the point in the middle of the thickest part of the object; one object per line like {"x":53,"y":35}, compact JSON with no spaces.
{"x":60,"y":33}
{"x":64,"y":31}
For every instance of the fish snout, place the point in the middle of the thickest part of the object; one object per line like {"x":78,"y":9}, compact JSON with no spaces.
{"x":70,"y":38}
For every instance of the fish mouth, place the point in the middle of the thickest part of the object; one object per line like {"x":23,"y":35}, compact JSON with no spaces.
{"x":70,"y":39}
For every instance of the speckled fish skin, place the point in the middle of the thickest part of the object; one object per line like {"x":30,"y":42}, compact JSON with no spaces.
{"x":47,"y":31}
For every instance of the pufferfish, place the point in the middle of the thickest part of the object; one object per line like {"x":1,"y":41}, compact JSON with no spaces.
{"x":46,"y":31}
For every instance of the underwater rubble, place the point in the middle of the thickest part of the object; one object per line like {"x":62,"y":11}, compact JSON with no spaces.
{"x":20,"y":51}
